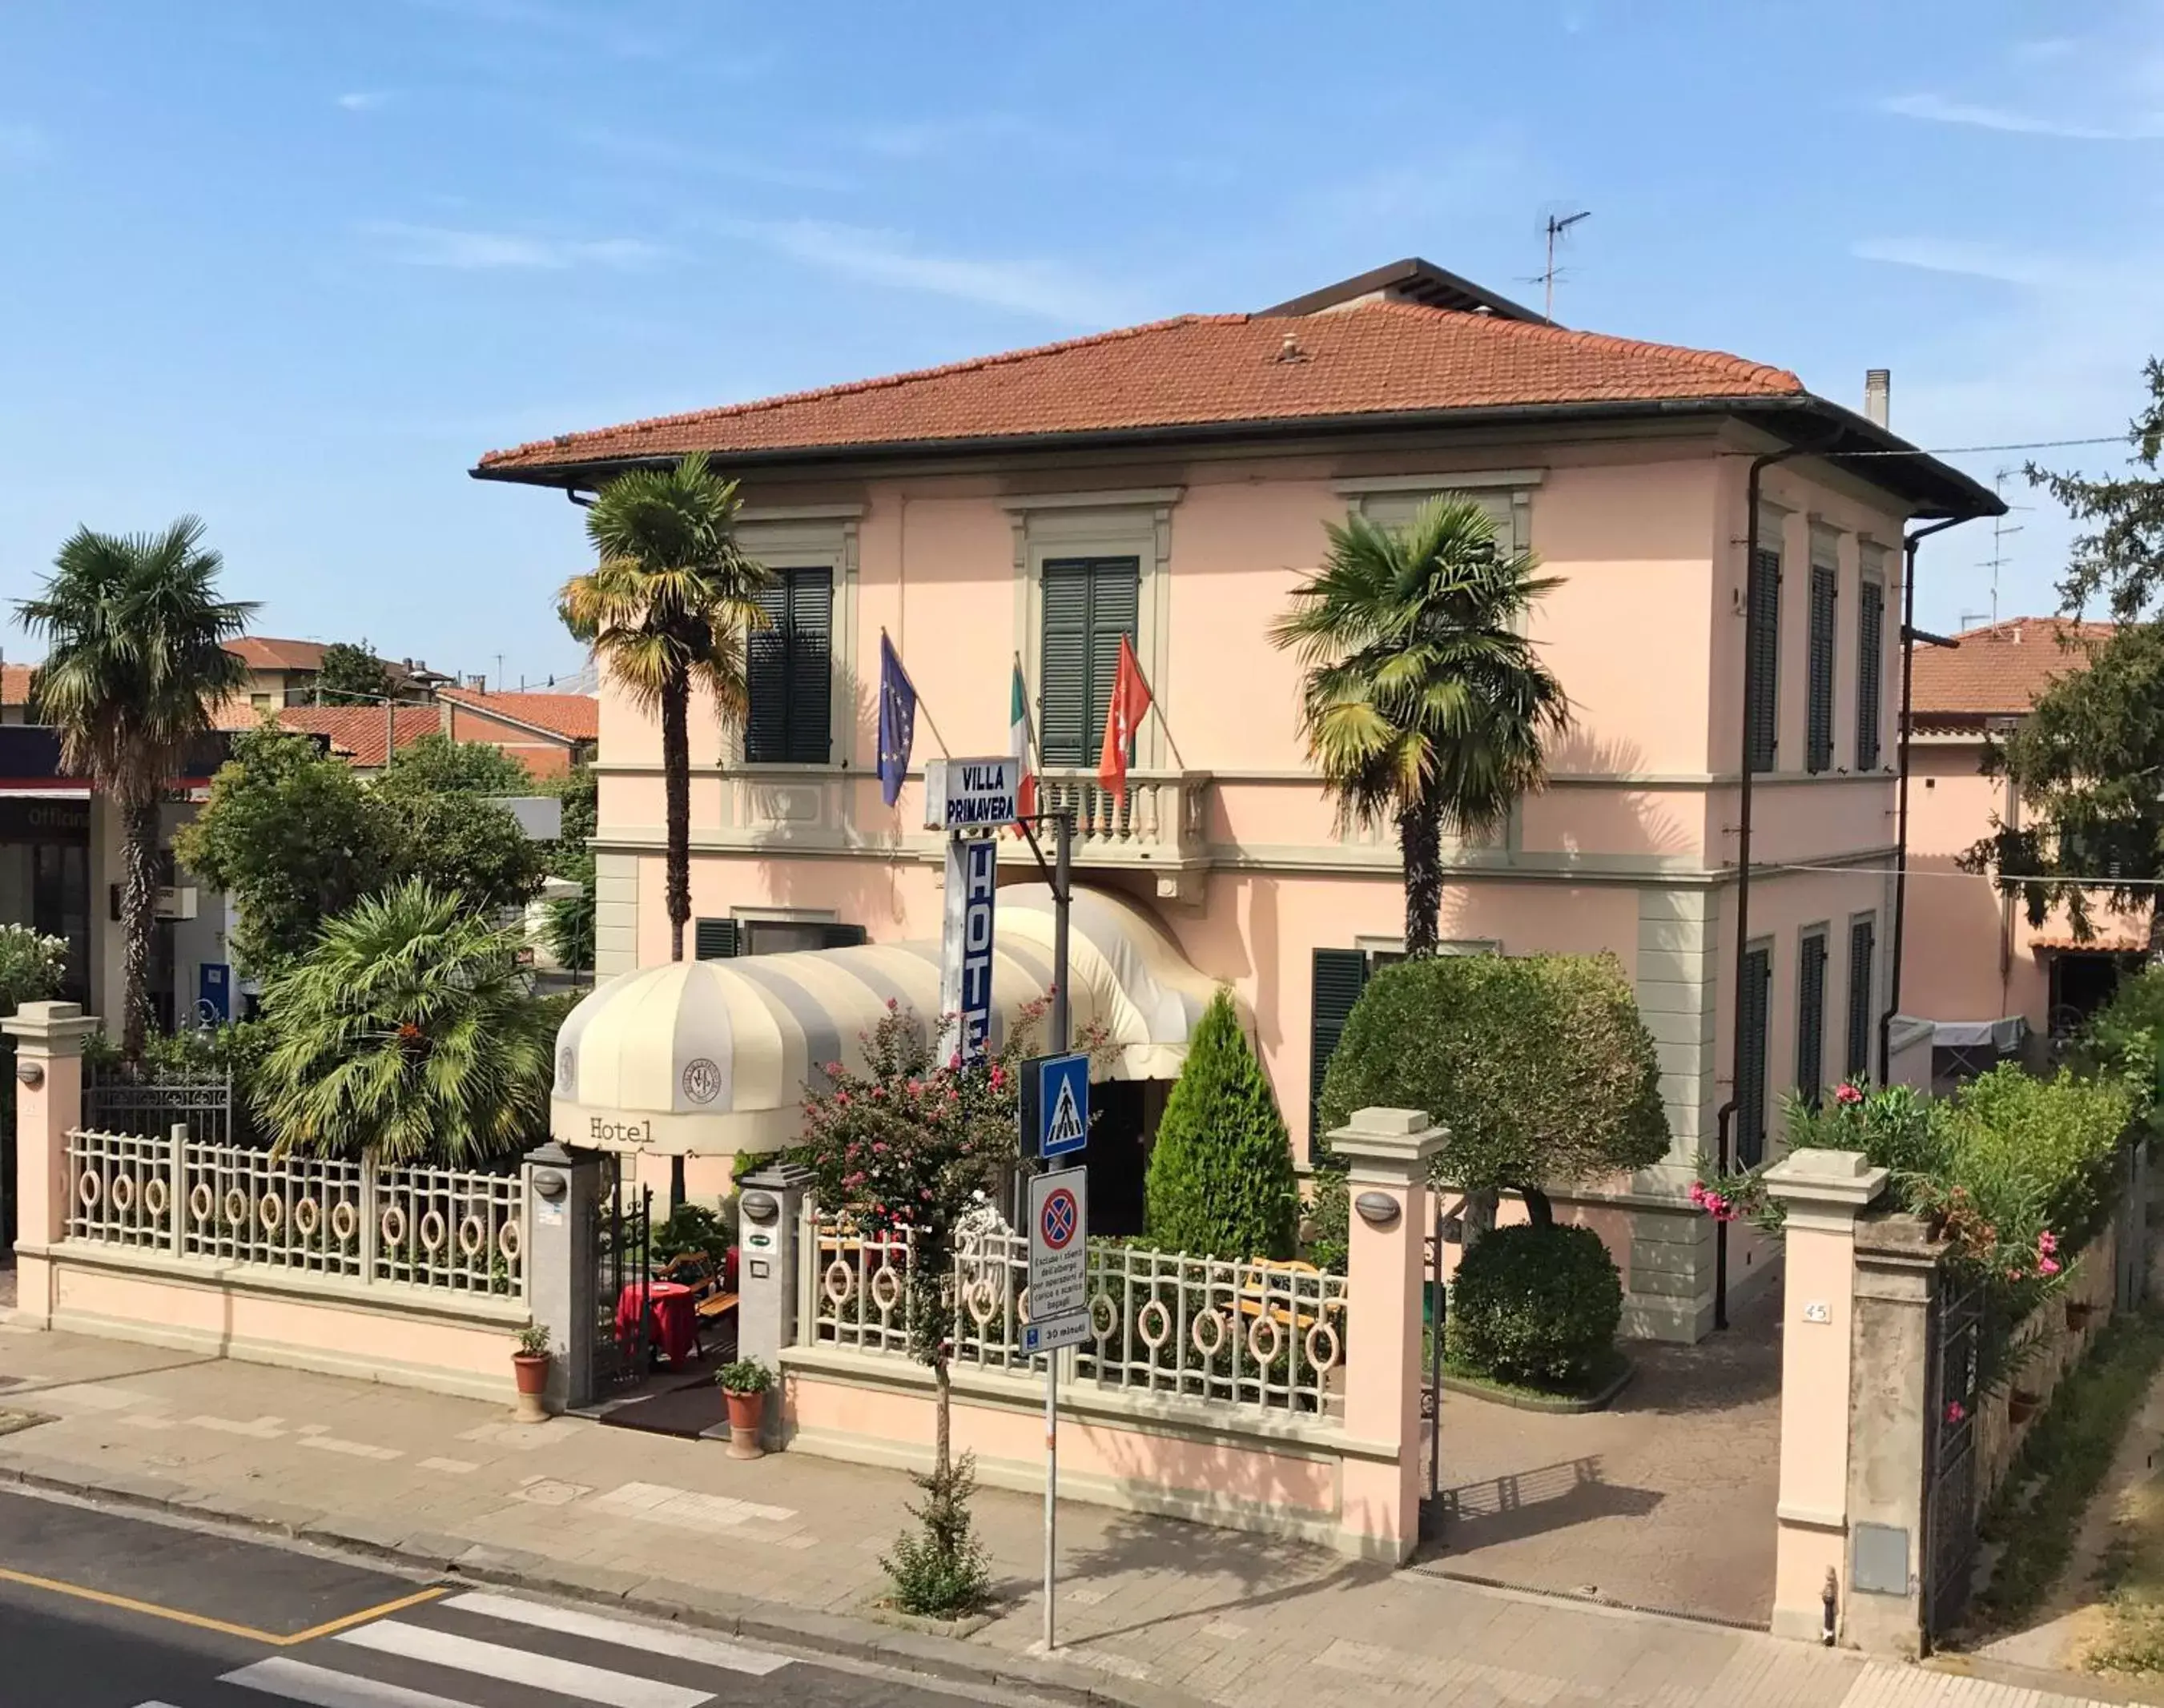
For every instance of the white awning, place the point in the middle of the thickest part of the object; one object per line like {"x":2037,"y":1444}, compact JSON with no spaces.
{"x":713,"y":1057}
{"x":2004,"y":1035}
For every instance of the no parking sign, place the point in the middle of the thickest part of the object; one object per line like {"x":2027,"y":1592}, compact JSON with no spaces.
{"x":1058,"y":1242}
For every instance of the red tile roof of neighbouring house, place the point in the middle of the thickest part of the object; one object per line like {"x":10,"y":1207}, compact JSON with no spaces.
{"x":2000,"y":669}
{"x":266,"y":653}
{"x":356,"y":732}
{"x":576,"y":717}
{"x":1378,"y":358}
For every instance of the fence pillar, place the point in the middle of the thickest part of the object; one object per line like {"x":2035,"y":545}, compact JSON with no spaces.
{"x":176,"y":1183}
{"x":563,"y":1200}
{"x":1387,"y":1151}
{"x":1823,"y":1192}
{"x":48,"y":1102}
{"x":770,"y":1211}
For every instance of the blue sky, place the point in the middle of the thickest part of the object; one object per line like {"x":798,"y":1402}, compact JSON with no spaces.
{"x":293,"y":266}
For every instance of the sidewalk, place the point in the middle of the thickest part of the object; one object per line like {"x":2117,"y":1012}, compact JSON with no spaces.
{"x":1153,"y":1611}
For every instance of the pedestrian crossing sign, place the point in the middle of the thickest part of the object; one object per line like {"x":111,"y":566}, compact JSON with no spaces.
{"x":1056,"y":1104}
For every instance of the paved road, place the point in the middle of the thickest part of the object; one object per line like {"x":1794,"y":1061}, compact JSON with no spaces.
{"x":102,"y":1609}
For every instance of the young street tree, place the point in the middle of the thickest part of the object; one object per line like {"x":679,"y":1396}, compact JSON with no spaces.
{"x":666,"y":611}
{"x":135,"y":662}
{"x":1423,"y":705}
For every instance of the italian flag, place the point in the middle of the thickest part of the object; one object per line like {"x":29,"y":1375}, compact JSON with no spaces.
{"x":1022,"y":739}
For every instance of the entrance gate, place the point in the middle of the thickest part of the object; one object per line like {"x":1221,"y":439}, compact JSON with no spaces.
{"x":1950,"y":1515}
{"x":1432,"y":1308}
{"x":623,"y":1220}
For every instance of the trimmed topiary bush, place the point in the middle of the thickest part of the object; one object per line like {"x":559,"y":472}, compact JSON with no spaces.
{"x":1221,"y":1180}
{"x":1535,"y":1306}
{"x":1539,"y":1065}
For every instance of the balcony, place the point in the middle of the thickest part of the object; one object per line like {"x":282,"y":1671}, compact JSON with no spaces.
{"x":1161,"y":827}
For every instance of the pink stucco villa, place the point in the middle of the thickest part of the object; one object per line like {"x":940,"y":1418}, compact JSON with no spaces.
{"x":1994,"y":986}
{"x":1170,"y":482}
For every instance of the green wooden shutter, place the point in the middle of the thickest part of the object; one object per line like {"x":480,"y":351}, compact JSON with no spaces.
{"x":1340,"y":975}
{"x":1870,"y":672}
{"x":1862,"y":945}
{"x":1063,"y":723}
{"x":1764,"y":641}
{"x":1818,"y":750}
{"x":1115,"y":602}
{"x":841,"y":936}
{"x":713,"y":940}
{"x":1811,"y":1018}
{"x":809,"y":738}
{"x":1753,"y":1015}
{"x":766,"y":672}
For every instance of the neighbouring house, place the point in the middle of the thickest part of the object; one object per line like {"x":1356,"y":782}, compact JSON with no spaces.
{"x":549,"y":733}
{"x":280,"y":673}
{"x":1994,"y":985}
{"x":1170,"y":484}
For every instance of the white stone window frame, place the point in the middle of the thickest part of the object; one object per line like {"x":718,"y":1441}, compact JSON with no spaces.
{"x":747,"y":916}
{"x":1126,"y":523}
{"x":1448,"y":946}
{"x":813,"y":536}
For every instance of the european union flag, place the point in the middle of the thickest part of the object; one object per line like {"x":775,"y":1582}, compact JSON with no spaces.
{"x":897,"y":720}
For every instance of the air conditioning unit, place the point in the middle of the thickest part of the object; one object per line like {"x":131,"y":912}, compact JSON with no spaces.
{"x":171,"y":901}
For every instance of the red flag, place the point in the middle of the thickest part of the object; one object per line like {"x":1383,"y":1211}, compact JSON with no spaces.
{"x":1131,"y":700}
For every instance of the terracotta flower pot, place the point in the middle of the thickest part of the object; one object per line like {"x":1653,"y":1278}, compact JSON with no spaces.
{"x":747,"y":1415}
{"x":531,"y":1371}
{"x":2020,"y":1406}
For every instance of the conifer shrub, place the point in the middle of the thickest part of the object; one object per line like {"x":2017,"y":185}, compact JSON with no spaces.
{"x":1220,"y":1181}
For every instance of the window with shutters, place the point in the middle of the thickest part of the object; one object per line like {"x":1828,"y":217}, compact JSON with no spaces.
{"x":1810,"y":1017}
{"x":1763,"y":665}
{"x":1870,"y":670}
{"x":1818,"y":747}
{"x":713,"y":940}
{"x":1753,"y":1017}
{"x":1862,"y":950}
{"x":1340,"y":975}
{"x":1088,"y":604}
{"x":788,"y":666}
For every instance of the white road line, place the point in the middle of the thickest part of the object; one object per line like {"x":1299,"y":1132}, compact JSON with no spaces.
{"x":297,"y":1681}
{"x":540,"y":1671}
{"x":622,"y":1632}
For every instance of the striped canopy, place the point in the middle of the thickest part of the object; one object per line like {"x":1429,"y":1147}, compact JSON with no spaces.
{"x":713,"y":1057}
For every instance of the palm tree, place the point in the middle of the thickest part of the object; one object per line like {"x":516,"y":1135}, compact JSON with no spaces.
{"x":666,"y":608}
{"x":409,"y":1034}
{"x":1423,"y":704}
{"x":135,"y":663}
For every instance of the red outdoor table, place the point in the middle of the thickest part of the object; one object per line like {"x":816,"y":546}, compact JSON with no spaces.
{"x":676,"y":1323}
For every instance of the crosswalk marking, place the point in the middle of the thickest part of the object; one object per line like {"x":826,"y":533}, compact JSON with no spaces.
{"x":540,"y":1671}
{"x":297,"y":1681}
{"x":622,"y":1632}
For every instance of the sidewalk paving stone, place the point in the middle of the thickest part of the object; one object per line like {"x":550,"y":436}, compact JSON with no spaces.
{"x":1153,"y":1612}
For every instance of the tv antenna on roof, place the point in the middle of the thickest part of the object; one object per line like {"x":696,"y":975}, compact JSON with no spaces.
{"x":2000,"y":533}
{"x":1559,"y":225}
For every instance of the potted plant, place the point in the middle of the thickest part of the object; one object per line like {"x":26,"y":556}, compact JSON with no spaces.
{"x":2020,"y":1406}
{"x":529,"y":1365}
{"x":745,"y":1384}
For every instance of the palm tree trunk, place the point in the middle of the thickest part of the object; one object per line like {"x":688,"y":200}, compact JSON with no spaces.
{"x":138,"y":901}
{"x":2156,"y":932}
{"x":1420,"y":838}
{"x":677,"y":786}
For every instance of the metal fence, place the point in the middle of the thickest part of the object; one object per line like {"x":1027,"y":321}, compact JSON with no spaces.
{"x":441,"y":1229}
{"x":118,"y":1099}
{"x":1256,"y":1334}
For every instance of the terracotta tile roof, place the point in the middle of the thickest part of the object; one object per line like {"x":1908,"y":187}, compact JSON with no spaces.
{"x":264,"y":652}
{"x":2114,"y":940}
{"x":1379,"y":358}
{"x":356,"y":731}
{"x":1998,"y":670}
{"x":15,"y":684}
{"x":576,"y":717}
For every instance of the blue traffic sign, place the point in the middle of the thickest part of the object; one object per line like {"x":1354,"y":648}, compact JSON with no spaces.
{"x":1063,"y":1104}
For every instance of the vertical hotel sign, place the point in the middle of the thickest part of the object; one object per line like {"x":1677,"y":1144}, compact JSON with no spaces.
{"x":965,"y":951}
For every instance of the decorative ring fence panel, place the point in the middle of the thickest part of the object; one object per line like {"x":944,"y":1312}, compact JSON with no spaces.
{"x":438,"y":1229}
{"x":1260,"y":1333}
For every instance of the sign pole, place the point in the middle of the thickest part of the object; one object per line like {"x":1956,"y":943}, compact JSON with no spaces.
{"x":1063,"y":890}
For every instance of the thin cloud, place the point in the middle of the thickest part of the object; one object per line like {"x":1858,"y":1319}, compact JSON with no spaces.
{"x":652,"y":151}
{"x":483,"y":251}
{"x":939,"y":136}
{"x":365,"y":100}
{"x":1938,"y":109}
{"x":1042,"y":289}
{"x":1966,"y":260}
